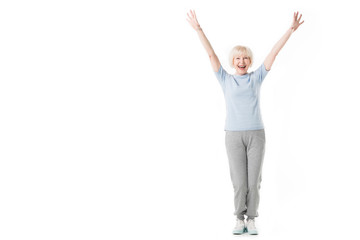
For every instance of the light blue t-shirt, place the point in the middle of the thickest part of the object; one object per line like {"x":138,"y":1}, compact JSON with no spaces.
{"x":242,"y":98}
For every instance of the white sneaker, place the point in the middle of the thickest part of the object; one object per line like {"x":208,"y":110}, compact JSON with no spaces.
{"x":240,"y":227}
{"x":250,"y":227}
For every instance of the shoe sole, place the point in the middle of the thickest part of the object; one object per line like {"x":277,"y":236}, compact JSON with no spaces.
{"x":251,"y":232}
{"x":238,"y":232}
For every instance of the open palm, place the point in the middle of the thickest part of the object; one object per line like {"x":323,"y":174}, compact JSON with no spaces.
{"x":193,"y":20}
{"x":296,"y":21}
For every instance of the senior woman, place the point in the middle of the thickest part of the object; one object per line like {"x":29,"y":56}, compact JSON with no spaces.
{"x":244,"y":129}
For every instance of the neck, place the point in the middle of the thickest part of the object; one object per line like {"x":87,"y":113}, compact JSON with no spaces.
{"x":237,"y":73}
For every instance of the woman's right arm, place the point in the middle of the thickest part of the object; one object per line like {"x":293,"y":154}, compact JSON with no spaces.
{"x":215,"y":63}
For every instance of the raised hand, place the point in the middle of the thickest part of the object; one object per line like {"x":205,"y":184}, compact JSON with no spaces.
{"x":296,"y":21}
{"x":192,"y":20}
{"x":269,"y":60}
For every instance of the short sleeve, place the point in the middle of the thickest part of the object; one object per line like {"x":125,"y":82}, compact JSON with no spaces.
{"x":221,"y":75}
{"x":260,"y":73}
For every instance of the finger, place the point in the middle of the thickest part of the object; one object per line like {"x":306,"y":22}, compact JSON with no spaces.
{"x":192,"y":15}
{"x":301,"y":22}
{"x":300,"y":17}
{"x":189,"y":18}
{"x":195,"y":16}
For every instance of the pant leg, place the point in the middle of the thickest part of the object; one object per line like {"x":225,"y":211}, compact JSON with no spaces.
{"x":255,"y":156}
{"x":236,"y":152}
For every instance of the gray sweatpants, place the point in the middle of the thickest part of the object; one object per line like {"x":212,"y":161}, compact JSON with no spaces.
{"x":245,"y":151}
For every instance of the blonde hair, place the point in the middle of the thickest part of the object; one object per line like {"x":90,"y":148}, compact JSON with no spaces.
{"x":240,"y":50}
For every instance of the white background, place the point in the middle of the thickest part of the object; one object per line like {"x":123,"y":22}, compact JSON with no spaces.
{"x":111,"y":119}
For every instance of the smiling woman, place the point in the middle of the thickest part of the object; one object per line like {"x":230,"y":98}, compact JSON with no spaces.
{"x":241,"y":58}
{"x":245,"y":134}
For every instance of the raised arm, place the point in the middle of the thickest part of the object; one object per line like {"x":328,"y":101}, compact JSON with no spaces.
{"x":215,"y":63}
{"x":279,"y":45}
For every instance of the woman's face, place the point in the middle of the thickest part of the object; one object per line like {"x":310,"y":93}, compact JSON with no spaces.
{"x":242,"y":63}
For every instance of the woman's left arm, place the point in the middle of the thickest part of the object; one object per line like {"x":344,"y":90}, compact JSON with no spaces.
{"x":269,"y":60}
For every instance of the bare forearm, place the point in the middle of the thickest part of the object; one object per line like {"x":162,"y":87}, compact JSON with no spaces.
{"x":269,"y":60}
{"x":280,"y":44}
{"x":205,"y":42}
